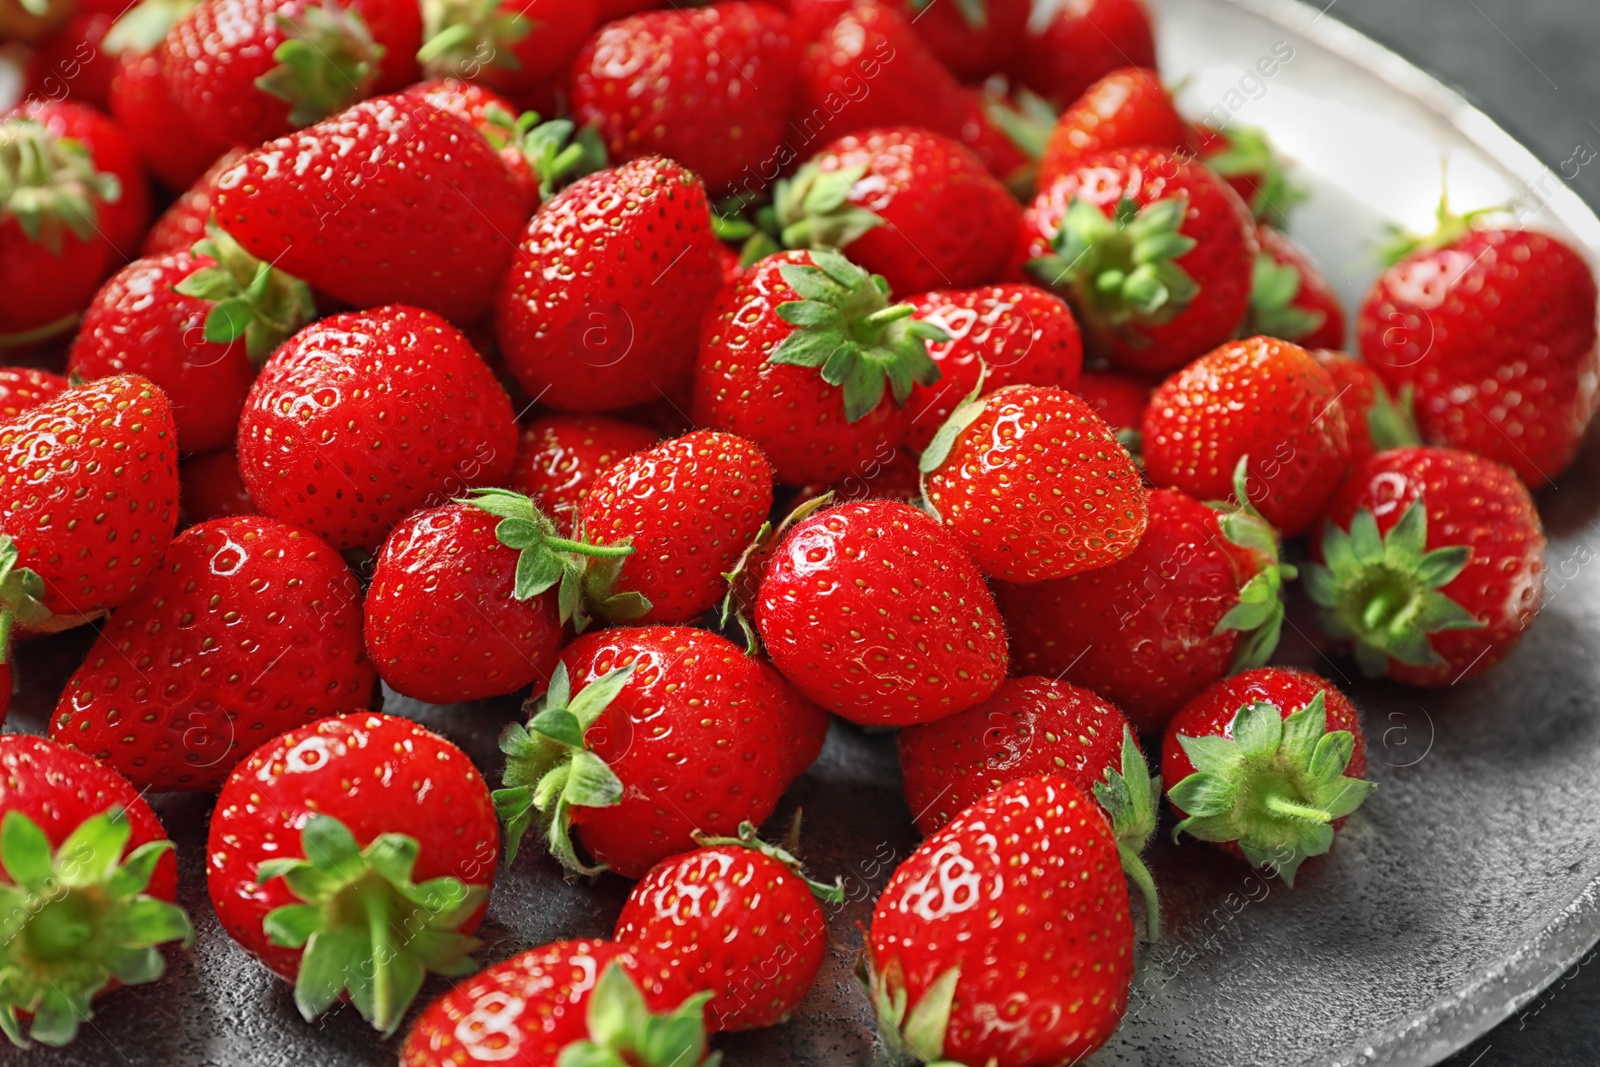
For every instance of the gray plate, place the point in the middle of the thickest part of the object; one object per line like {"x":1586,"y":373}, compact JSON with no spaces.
{"x":1463,"y":887}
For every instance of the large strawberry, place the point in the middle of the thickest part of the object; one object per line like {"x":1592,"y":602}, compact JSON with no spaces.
{"x":560,"y":456}
{"x":87,"y":881}
{"x":353,"y":856}
{"x":120,"y":220}
{"x":512,"y":45}
{"x":646,"y":735}
{"x":24,"y":387}
{"x":1432,"y":564}
{"x":1289,"y":298}
{"x":601,"y":308}
{"x":1152,"y":249}
{"x":391,"y":201}
{"x":1128,"y":108}
{"x":360,"y":419}
{"x":1266,"y":764}
{"x":1034,"y":485}
{"x":249,"y":628}
{"x":1015,"y":912}
{"x":1072,"y":45}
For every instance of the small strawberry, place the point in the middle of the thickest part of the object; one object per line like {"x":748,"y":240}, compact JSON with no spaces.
{"x":1127,"y":108}
{"x":1289,"y":298}
{"x":1034,"y":485}
{"x":645,"y":735}
{"x":121,"y":219}
{"x":1081,"y":42}
{"x":186,"y":219}
{"x":1260,"y":403}
{"x":212,"y":488}
{"x":510,"y":45}
{"x":1120,"y":399}
{"x":24,"y":387}
{"x":1014,"y":914}
{"x":873,"y":611}
{"x":352,"y":856}
{"x":1152,"y":250}
{"x":1432,"y":564}
{"x":1246,"y":158}
{"x":1267,"y":764}
{"x":73,"y":61}
{"x":1374,"y":420}
{"x":360,"y":419}
{"x":601,"y":309}
{"x":560,"y":456}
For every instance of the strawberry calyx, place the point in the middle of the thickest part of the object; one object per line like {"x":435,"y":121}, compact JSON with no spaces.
{"x":1026,"y":118}
{"x":364,"y":927}
{"x":1273,"y":288}
{"x":1249,"y":154}
{"x":558,"y":151}
{"x":1274,"y":788}
{"x":550,"y":769}
{"x":748,"y":837}
{"x":21,"y":596}
{"x":847,"y":329}
{"x":1383,"y":592}
{"x":1391,"y":421}
{"x":460,"y":37}
{"x":1259,"y":614}
{"x":974,"y":12}
{"x":249,"y":298}
{"x":963,"y":415}
{"x":1131,"y":798}
{"x":623,"y":1032}
{"x":145,"y":25}
{"x":1449,"y":228}
{"x":79,"y":917}
{"x":813,"y":208}
{"x":911,"y":1033}
{"x":744,"y":580}
{"x":49,"y":184}
{"x":326,"y":62}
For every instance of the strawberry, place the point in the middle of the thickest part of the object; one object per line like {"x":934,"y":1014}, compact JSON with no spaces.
{"x":574,"y":1001}
{"x":735,"y":917}
{"x":1246,"y":158}
{"x":645,"y":735}
{"x":1032,"y":864}
{"x":168,"y":144}
{"x":212,"y":488}
{"x":185,"y":221}
{"x":360,"y":419}
{"x":122,"y":219}
{"x":1267,"y":764}
{"x":1494,"y":331}
{"x":1431,"y":564}
{"x":1120,"y":399}
{"x":196,"y":325}
{"x":1200,"y":596}
{"x":73,"y":61}
{"x":915,"y":207}
{"x":1034,"y":485}
{"x":972,"y":39}
{"x":1074,"y":44}
{"x":510,"y":46}
{"x":24,"y":387}
{"x":1152,"y":250}
{"x":1374,"y":420}
{"x":602,"y":305}
{"x":352,"y":856}
{"x":85,"y":531}
{"x":80,"y":851}
{"x":560,"y":456}
{"x":1289,"y":298}
{"x":873,"y":611}
{"x":1127,"y":108}
{"x":436,"y":208}
{"x":805,"y":356}
{"x":721,"y":80}
{"x":1260,"y":404}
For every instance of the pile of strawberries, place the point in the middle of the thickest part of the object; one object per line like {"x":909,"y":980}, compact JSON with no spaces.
{"x":800,"y":363}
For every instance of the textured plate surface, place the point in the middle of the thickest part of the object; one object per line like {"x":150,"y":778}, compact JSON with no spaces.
{"x":1466,"y":883}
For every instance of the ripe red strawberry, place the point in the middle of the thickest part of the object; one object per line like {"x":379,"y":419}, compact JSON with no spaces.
{"x":779,"y":343}
{"x":1153,"y":251}
{"x":578,"y":1001}
{"x":873,"y":611}
{"x":601,"y":308}
{"x":721,"y":81}
{"x":212,"y":488}
{"x":737,"y":918}
{"x":73,"y":61}
{"x":1034,"y":865}
{"x":352,"y":856}
{"x":436,"y":207}
{"x":913,"y":206}
{"x":362,"y":418}
{"x":197,"y":325}
{"x":1267,"y":764}
{"x":1289,"y":298}
{"x":973,"y":39}
{"x":1003,"y":334}
{"x":24,"y":387}
{"x":645,"y":735}
{"x":1120,"y":399}
{"x":82,"y":533}
{"x":1034,"y":485}
{"x":560,"y":456}
{"x":1081,"y":42}
{"x":122,"y":219}
{"x":185,"y":221}
{"x":1245,"y":157}
{"x":249,"y":628}
{"x":1432,"y":564}
{"x":1494,"y":330}
{"x":1128,"y":108}
{"x":512,"y":46}
{"x":165,"y":138}
{"x":1200,"y":596}
{"x":81,"y":851}
{"x":1262,"y":403}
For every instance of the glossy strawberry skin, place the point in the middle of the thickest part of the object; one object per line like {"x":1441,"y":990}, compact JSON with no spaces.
{"x":1120,"y":399}
{"x":560,"y":456}
{"x":39,"y":287}
{"x":360,"y":419}
{"x":733,"y":921}
{"x":1127,"y":108}
{"x":1497,"y":335}
{"x":93,"y":523}
{"x":377,"y":775}
{"x":689,"y":507}
{"x":120,"y":222}
{"x":1261,"y":398}
{"x":249,"y":628}
{"x":1032,"y":863}
{"x":1471,"y":501}
{"x":1037,"y":487}
{"x":184,"y":222}
{"x":1141,"y":632}
{"x":1358,"y":386}
{"x":441,"y":624}
{"x":1315,"y":294}
{"x":1084,"y":41}
{"x":24,"y":387}
{"x":168,"y":143}
{"x":212,"y":488}
{"x":874,"y":611}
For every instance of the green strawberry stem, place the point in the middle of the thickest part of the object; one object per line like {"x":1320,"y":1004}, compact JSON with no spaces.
{"x":1391,"y":422}
{"x":749,"y":838}
{"x":911,"y":1033}
{"x":364,"y":927}
{"x":21,"y":595}
{"x":1027,"y":119}
{"x":738,"y":604}
{"x":460,"y":37}
{"x":1273,"y":288}
{"x":624,"y":1033}
{"x":1259,"y":614}
{"x":1383,"y":592}
{"x":1450,"y":228}
{"x":49,"y":184}
{"x":249,"y":298}
{"x":558,"y":151}
{"x":79,"y":917}
{"x":326,"y":62}
{"x":1273,"y":788}
{"x":143,"y":26}
{"x":1131,"y":799}
{"x":1250,"y":154}
{"x":813,"y":209}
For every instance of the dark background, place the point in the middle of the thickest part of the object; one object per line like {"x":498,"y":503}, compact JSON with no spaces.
{"x":1532,"y":66}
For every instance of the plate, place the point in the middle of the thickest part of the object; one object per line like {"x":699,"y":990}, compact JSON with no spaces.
{"x":1464,"y":886}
